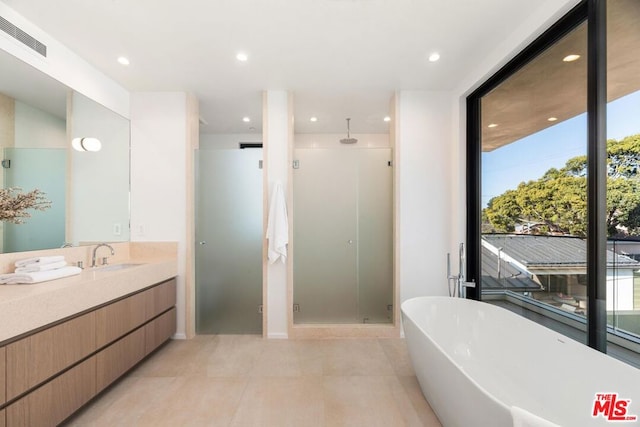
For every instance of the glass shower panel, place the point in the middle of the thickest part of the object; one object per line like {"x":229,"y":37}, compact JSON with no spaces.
{"x":375,"y":235}
{"x":325,"y":235}
{"x":343,"y":262}
{"x":43,"y":169}
{"x":229,"y":234}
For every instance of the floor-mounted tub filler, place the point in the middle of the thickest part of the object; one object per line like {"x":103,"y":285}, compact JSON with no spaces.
{"x":482,"y":365}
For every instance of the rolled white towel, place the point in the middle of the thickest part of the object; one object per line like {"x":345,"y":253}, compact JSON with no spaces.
{"x":38,"y":276}
{"x":31,"y":268}
{"x":39,"y":260}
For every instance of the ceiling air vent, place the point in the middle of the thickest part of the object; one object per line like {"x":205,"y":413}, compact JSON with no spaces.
{"x":22,"y":37}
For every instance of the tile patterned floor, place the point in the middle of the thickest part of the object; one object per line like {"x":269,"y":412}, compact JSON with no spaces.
{"x":243,"y":380}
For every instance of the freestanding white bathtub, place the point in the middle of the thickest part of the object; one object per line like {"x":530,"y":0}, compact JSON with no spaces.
{"x":475,"y":361}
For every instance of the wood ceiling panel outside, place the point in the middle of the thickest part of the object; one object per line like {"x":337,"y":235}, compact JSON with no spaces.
{"x":548,"y":87}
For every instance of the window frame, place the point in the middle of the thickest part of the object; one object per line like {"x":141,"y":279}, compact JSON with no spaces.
{"x":594,"y":13}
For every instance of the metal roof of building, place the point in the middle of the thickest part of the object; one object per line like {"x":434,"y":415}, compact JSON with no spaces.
{"x":509,"y":277}
{"x":551,"y":251}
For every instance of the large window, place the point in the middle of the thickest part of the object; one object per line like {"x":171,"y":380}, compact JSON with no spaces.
{"x":536,"y":149}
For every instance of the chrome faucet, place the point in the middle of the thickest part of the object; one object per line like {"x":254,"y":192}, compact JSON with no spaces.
{"x":459,"y":280}
{"x":104,"y":260}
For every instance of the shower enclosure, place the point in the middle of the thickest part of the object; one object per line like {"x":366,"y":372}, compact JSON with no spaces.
{"x":43,"y":169}
{"x":342,"y":233}
{"x":229,"y":241}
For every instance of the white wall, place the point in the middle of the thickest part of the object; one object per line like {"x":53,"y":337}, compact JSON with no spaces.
{"x":159,"y":199}
{"x":228,"y":140}
{"x":35,"y":128}
{"x":278,"y":132}
{"x":332,"y":140}
{"x":619,"y":289}
{"x":64,"y":65}
{"x":423,"y":191}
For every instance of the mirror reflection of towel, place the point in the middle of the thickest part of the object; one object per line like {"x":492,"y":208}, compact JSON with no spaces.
{"x":277,"y":225}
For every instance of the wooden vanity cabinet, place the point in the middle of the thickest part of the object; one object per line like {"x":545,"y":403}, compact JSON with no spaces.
{"x":3,"y":370}
{"x":3,"y":398}
{"x":53,"y":372}
{"x":160,"y":330}
{"x":57,"y":399}
{"x":118,"y":358}
{"x":117,"y":319}
{"x":40,"y":356}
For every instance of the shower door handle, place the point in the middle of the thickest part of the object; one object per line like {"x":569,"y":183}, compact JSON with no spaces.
{"x":202,"y":243}
{"x":350,"y":241}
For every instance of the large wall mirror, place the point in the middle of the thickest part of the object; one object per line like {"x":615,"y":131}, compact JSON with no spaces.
{"x":88,"y":191}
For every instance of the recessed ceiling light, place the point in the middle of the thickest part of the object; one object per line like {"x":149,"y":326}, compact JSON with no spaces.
{"x":552,"y":119}
{"x":313,"y":119}
{"x":387,"y":119}
{"x":123,"y":60}
{"x":493,"y":125}
{"x":242,"y":57}
{"x":246,"y":119}
{"x":571,"y":58}
{"x":434,"y":57}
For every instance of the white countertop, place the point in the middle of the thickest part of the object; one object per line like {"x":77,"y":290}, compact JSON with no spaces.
{"x":24,"y":308}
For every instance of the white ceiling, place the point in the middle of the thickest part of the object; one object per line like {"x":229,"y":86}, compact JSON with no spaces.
{"x":340,"y":58}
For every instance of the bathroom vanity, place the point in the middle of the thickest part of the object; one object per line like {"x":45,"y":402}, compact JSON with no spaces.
{"x":63,"y":342}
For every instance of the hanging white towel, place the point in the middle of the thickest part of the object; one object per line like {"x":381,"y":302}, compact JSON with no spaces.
{"x":523,"y":418}
{"x":277,"y":225}
{"x":30,"y":268}
{"x":40,"y":260}
{"x":38,"y":276}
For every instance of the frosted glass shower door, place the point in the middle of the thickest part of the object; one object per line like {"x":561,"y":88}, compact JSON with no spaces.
{"x":229,"y":241}
{"x":343,"y":250}
{"x":324,"y":267}
{"x":375,"y":236}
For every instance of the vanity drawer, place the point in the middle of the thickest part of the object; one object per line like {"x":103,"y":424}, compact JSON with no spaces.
{"x":160,"y":298}
{"x":117,"y":319}
{"x":3,"y":381}
{"x":42,"y":355}
{"x":159,"y":330}
{"x":118,"y":358}
{"x":56,"y":400}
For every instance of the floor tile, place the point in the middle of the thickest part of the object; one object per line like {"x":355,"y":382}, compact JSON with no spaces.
{"x":281,"y":402}
{"x":355,"y":357}
{"x":356,"y":401}
{"x":245,"y":381}
{"x":197,"y":401}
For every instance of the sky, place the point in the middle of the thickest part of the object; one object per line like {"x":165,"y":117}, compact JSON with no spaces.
{"x":529,"y":158}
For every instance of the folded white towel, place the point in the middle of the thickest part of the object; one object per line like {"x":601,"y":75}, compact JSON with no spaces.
{"x":38,"y":276}
{"x":523,"y":418}
{"x":30,"y":268}
{"x":277,"y":225}
{"x":40,"y":260}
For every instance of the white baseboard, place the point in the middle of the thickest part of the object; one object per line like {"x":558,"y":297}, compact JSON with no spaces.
{"x":278,"y":336}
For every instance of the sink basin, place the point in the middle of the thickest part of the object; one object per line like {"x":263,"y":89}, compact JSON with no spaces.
{"x":116,"y":267}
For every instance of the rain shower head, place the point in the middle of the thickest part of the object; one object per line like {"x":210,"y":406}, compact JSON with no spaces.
{"x":348,"y":139}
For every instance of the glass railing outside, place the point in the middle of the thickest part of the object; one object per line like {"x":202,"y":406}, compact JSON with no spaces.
{"x":623,"y":287}
{"x":542,"y":271}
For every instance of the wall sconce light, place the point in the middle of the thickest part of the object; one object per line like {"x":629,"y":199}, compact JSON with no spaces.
{"x":86,"y":144}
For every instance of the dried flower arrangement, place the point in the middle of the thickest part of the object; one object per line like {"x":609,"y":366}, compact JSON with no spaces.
{"x":14,"y":204}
